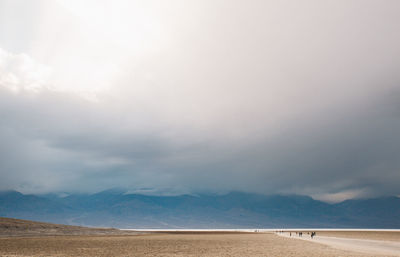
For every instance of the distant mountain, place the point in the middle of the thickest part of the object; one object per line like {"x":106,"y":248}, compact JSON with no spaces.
{"x":15,"y":204}
{"x":115,"y":208}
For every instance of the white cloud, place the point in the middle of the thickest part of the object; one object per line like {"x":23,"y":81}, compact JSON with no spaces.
{"x":264,"y":97}
{"x":19,"y":72}
{"x":341,"y":196}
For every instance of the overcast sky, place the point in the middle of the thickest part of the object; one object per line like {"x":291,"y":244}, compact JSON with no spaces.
{"x":183,"y":96}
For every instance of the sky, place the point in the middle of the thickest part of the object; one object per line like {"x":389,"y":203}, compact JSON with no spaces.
{"x":173,"y":97}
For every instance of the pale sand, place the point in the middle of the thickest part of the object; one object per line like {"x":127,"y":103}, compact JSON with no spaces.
{"x":356,"y":241}
{"x":187,"y":244}
{"x":372,"y":235}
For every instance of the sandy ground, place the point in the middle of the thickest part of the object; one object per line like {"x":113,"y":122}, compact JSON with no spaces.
{"x":355,"y":241}
{"x":187,"y":244}
{"x":29,"y":238}
{"x":16,"y":227}
{"x":372,"y":235}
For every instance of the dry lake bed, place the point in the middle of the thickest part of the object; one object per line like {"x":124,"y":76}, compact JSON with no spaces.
{"x":172,"y":244}
{"x":27,"y":238}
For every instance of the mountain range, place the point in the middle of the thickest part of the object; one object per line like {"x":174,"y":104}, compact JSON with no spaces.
{"x":119,"y":209}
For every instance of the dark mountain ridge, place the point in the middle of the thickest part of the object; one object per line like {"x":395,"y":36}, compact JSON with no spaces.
{"x":116,"y":208}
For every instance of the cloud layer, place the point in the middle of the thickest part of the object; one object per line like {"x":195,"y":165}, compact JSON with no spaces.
{"x":264,"y":97}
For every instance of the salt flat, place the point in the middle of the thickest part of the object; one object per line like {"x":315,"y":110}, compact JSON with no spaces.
{"x":170,"y":244}
{"x":381,"y":247}
{"x":28,"y":238}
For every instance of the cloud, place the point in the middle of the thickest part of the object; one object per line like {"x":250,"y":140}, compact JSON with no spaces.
{"x":20,"y":72}
{"x":340,"y":196}
{"x":274,"y":103}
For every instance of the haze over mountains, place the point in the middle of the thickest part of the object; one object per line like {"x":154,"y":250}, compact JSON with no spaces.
{"x":116,"y":208}
{"x":287,"y":97}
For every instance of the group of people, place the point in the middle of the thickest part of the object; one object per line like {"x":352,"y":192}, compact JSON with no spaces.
{"x":300,"y":234}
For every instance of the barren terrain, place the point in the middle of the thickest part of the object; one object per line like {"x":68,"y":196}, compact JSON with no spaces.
{"x":27,"y":238}
{"x":367,"y":242}
{"x":370,"y":235}
{"x":197,"y":244}
{"x":16,"y":227}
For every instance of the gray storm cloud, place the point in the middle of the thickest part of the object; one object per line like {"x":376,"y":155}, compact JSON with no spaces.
{"x":267,"y":96}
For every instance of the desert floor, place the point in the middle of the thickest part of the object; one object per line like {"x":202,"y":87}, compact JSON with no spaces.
{"x":368,"y":242}
{"x":372,"y":235}
{"x":166,"y":244}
